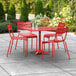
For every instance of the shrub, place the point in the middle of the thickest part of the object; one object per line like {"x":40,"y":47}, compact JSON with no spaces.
{"x":11,"y":15}
{"x":41,"y":20}
{"x":49,"y":9}
{"x":24,"y":11}
{"x":37,"y":20}
{"x":50,"y":3}
{"x":45,"y":21}
{"x":2,"y":14}
{"x":3,"y":27}
{"x":73,"y":12}
{"x":39,"y":8}
{"x":65,"y":12}
{"x":54,"y":22}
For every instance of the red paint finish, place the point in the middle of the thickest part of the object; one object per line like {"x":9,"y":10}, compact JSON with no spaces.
{"x":60,"y":31}
{"x":27,"y":35}
{"x":60,"y":24}
{"x":24,"y":38}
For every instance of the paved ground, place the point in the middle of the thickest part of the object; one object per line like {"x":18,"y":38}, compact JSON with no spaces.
{"x":16,"y":64}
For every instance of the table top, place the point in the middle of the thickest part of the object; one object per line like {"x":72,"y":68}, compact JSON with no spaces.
{"x":38,"y":28}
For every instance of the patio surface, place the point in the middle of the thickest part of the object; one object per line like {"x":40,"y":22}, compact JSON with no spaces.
{"x":17,"y":64}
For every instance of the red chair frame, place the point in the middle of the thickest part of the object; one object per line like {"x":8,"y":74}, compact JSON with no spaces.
{"x":60,"y":24}
{"x":15,"y":38}
{"x":28,"y":35}
{"x":58,"y":31}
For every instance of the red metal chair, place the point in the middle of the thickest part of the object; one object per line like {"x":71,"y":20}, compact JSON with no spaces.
{"x":15,"y":38}
{"x":28,"y":35}
{"x":63,"y":32}
{"x":60,"y":24}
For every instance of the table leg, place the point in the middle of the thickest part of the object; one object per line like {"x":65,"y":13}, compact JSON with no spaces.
{"x":39,"y":40}
{"x":39,"y":51}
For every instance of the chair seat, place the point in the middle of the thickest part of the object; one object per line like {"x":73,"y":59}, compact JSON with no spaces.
{"x":51,"y":35}
{"x":20,"y":38}
{"x":28,"y":35}
{"x":51,"y":41}
{"x":48,"y":35}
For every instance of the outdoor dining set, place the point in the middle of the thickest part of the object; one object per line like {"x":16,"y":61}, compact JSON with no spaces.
{"x":59,"y":37}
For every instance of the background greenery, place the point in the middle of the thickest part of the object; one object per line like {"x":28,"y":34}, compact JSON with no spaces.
{"x":11,"y":14}
{"x":2,"y":14}
{"x":3,"y":26}
{"x":55,"y":10}
{"x":39,"y":8}
{"x":24,"y":11}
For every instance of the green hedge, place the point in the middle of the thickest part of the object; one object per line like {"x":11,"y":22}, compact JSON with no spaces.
{"x":39,"y":8}
{"x":24,"y":11}
{"x":3,"y":27}
{"x":2,"y":14}
{"x":11,"y":15}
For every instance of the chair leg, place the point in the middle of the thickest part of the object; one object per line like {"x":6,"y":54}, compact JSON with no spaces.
{"x":49,"y":45}
{"x":64,"y":46}
{"x":26,"y":52}
{"x":44,"y":44}
{"x":26,"y":48}
{"x":16,"y":43}
{"x":23,"y":45}
{"x":31,"y":43}
{"x":42,"y":51}
{"x":11,"y":46}
{"x":8,"y":48}
{"x":58,"y":45}
{"x":54,"y":51}
{"x":36,"y":43}
{"x":67,"y":51}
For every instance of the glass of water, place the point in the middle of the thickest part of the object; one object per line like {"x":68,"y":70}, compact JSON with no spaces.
{"x":33,"y":26}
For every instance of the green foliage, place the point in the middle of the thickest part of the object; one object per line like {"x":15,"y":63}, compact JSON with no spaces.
{"x":5,"y":4}
{"x":11,"y":15}
{"x":37,"y":20}
{"x":65,"y":12}
{"x":31,"y":6}
{"x":2,"y":14}
{"x":3,"y":27}
{"x":41,"y":20}
{"x":54,"y":22}
{"x":48,"y":9}
{"x":39,"y":8}
{"x":24,"y":11}
{"x":50,"y":3}
{"x":73,"y":12}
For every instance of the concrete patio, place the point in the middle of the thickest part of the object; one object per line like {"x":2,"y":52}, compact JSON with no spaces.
{"x":17,"y":64}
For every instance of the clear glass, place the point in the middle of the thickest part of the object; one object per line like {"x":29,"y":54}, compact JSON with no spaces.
{"x":33,"y":26}
{"x":36,"y":27}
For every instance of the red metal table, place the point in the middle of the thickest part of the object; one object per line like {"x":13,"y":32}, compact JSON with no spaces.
{"x":39,"y":29}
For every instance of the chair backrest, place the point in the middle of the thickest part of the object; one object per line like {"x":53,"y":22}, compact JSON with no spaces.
{"x":23,"y":24}
{"x":62,"y":31}
{"x":60,"y":24}
{"x":10,"y":30}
